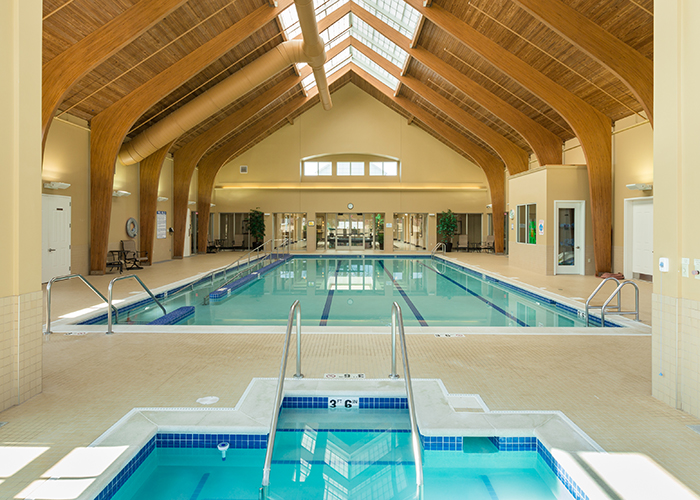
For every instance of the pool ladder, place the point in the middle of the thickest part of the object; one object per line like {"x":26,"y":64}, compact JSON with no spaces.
{"x":396,"y":326}
{"x":616,"y":293}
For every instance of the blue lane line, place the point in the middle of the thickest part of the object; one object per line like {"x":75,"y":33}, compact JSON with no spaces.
{"x":489,"y":487}
{"x":329,"y":299}
{"x":411,"y":305}
{"x":483,"y":299}
{"x":200,"y":486}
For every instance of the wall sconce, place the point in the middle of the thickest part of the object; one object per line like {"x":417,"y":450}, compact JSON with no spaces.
{"x":640,"y":187}
{"x":489,"y":205}
{"x":162,"y":198}
{"x":120,"y":193}
{"x":56,"y":185}
{"x":212,"y":205}
{"x":191,"y":202}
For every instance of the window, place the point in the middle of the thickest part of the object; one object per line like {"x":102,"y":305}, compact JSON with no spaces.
{"x":314,"y":168}
{"x":489,"y":224}
{"x":527,"y":224}
{"x":350,"y":168}
{"x":385,"y":168}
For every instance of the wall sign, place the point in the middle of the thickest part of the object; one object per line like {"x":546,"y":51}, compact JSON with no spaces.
{"x":346,"y":402}
{"x":388,"y":224}
{"x":161,"y":224}
{"x":540,"y":227}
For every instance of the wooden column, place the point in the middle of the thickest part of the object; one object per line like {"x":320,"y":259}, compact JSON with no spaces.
{"x":149,"y":174}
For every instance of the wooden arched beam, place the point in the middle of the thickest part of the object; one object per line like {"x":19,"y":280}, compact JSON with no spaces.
{"x":188,"y":156}
{"x":109,"y":128}
{"x":492,"y":166}
{"x":149,"y":176}
{"x":627,"y":64}
{"x":67,"y":68}
{"x":592,"y":127}
{"x":546,"y":145}
{"x":515,"y":158}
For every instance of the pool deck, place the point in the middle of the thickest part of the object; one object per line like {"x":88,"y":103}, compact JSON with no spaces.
{"x":602,"y":383}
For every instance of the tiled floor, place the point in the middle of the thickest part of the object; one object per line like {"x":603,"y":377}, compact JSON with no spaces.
{"x":603,"y":383}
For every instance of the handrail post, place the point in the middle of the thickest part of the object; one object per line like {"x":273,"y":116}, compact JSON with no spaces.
{"x":393,"y":373}
{"x":64,"y":278}
{"x":109,"y":302}
{"x":48,"y":308}
{"x":298,"y":374}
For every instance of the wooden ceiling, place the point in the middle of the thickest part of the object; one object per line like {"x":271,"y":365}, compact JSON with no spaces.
{"x":66,"y":22}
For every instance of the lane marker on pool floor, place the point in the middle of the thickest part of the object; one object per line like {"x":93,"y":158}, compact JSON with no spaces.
{"x":200,"y":487}
{"x":411,"y":305}
{"x":329,"y":298}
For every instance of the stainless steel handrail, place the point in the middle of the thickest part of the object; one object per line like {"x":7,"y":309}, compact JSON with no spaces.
{"x":436,"y":249}
{"x":397,"y":324}
{"x":109,"y":295}
{"x":618,"y":292}
{"x":590,"y":297}
{"x":296,"y":308}
{"x":63,"y":278}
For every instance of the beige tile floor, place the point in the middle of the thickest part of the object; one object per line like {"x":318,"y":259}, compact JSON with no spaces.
{"x":602,"y":383}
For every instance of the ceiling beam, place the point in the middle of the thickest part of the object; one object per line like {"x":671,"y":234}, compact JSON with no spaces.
{"x":149,"y":178}
{"x":109,"y":128}
{"x":62,"y":72}
{"x":545,"y":144}
{"x":493,"y":167}
{"x":593,"y":128}
{"x":515,"y":158}
{"x":627,"y":64}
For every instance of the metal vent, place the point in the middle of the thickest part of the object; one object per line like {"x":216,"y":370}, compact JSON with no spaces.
{"x":244,"y":169}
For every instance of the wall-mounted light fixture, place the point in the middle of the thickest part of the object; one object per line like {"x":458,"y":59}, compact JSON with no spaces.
{"x":56,"y":185}
{"x":489,"y":205}
{"x":212,"y":204}
{"x":162,"y":198}
{"x":191,"y":202}
{"x":640,"y":187}
{"x":120,"y":193}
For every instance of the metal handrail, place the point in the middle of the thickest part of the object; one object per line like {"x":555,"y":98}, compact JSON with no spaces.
{"x":397,"y":324}
{"x":63,"y":278}
{"x":296,"y":308}
{"x":436,"y":249}
{"x":618,"y":292}
{"x":109,"y":295}
{"x":590,"y":297}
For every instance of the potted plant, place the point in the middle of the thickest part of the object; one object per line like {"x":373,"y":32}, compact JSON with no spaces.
{"x":256,"y":226}
{"x":446,"y":228}
{"x":379,"y":223}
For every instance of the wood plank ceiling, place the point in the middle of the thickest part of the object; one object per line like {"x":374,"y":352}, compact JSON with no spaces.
{"x":505,"y":22}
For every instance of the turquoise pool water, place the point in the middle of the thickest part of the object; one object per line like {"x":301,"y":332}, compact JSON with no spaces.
{"x":364,"y":454}
{"x":359,"y":292}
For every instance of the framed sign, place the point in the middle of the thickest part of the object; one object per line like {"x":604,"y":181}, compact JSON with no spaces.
{"x":161,"y":225}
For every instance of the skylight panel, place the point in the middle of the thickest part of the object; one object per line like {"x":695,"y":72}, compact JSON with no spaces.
{"x":396,"y":13}
{"x":331,"y":66}
{"x":290,"y":20}
{"x":378,"y":42}
{"x":375,"y":70}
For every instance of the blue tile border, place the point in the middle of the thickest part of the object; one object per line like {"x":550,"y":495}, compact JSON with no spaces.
{"x":174,"y":317}
{"x":364,"y":403}
{"x":192,"y":440}
{"x":442,"y":443}
{"x":304,"y":402}
{"x":111,"y":489}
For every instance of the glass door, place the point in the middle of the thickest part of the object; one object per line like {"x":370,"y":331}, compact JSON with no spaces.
{"x":357,"y":232}
{"x":569,"y":236}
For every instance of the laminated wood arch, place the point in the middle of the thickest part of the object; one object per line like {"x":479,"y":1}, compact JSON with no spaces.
{"x":109,"y":128}
{"x":592,"y":127}
{"x":149,"y":176}
{"x":515,"y":158}
{"x":63,"y":71}
{"x":493,"y":167}
{"x":631,"y":67}
{"x":546,"y":145}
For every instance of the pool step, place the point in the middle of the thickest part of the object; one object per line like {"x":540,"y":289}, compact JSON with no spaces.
{"x":226,"y":290}
{"x":174,"y":317}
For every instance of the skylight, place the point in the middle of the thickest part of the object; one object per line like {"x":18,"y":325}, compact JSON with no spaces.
{"x":290,"y":20}
{"x":396,"y":13}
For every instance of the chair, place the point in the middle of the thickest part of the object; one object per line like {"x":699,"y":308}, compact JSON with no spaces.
{"x":463,"y":242}
{"x":132,"y":257}
{"x":213,"y":246}
{"x":114,"y":260}
{"x":488,"y":245}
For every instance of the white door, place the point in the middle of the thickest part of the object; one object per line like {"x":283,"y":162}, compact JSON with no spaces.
{"x":569,"y":237}
{"x":55,"y":236}
{"x":643,"y":238}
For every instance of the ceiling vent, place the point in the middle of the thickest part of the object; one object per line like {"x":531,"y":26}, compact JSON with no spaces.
{"x":244,"y":169}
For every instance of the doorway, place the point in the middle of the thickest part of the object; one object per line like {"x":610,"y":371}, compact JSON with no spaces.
{"x":55,"y":236}
{"x":290,"y":227}
{"x":639,"y":238}
{"x":410,"y":231}
{"x":569,"y":237}
{"x":351,"y":232}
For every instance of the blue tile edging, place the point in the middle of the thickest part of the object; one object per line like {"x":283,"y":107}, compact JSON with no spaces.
{"x":111,"y":489}
{"x":174,"y":317}
{"x":364,"y":403}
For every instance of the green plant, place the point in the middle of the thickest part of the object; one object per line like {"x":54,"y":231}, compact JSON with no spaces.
{"x":256,"y":224}
{"x":447,"y":226}
{"x":379,"y":223}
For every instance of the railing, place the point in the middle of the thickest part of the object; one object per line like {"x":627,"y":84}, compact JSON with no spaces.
{"x":397,"y":325}
{"x":618,"y":308}
{"x":295,"y":310}
{"x":109,"y":295}
{"x":63,"y":278}
{"x":437,"y":248}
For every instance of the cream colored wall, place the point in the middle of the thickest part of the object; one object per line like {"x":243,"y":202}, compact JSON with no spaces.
{"x":675,"y":327}
{"x":66,"y":159}
{"x":162,"y":249}
{"x":126,"y":178}
{"x":20,"y":204}
{"x":357,"y":126}
{"x":524,"y":189}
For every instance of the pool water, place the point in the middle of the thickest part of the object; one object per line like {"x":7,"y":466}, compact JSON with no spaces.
{"x":313,"y":461}
{"x":359,"y":292}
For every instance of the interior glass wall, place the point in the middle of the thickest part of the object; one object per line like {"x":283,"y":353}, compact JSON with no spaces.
{"x":349,"y":231}
{"x":233,"y":231}
{"x":410,"y":232}
{"x":292,"y":227}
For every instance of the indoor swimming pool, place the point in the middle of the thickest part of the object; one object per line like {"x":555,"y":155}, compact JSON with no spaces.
{"x":359,"y":291}
{"x":343,"y":454}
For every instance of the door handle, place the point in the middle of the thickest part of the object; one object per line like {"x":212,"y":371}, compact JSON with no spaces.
{"x":52,"y":249}
{"x":578,"y":248}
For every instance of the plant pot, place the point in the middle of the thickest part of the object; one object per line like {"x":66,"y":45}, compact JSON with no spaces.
{"x":448,"y":247}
